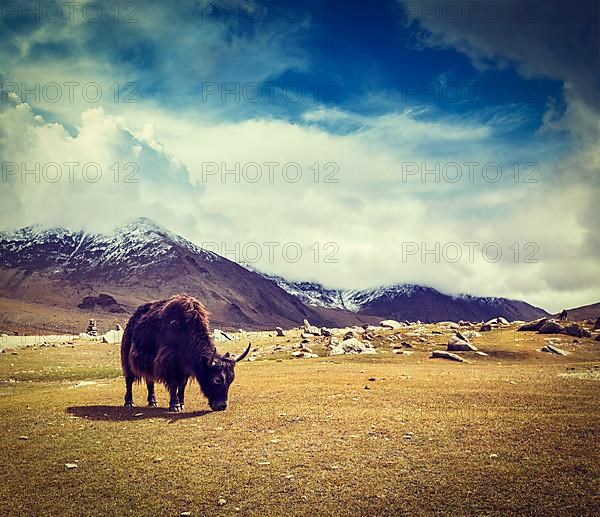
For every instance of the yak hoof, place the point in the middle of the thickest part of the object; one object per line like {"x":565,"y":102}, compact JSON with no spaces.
{"x":175,"y":409}
{"x":152,"y":403}
{"x":128,"y":403}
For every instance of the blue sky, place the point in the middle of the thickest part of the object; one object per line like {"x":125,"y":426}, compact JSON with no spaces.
{"x":370,"y":88}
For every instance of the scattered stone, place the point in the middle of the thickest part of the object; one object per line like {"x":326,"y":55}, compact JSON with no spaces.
{"x":442,"y":354}
{"x":493,"y":455}
{"x":349,"y":335}
{"x":311,"y":329}
{"x":222,"y":502}
{"x":351,"y":346}
{"x":551,"y":327}
{"x":23,"y":437}
{"x":372,"y":379}
{"x":479,"y":352}
{"x":486,"y":327}
{"x":532,"y":326}
{"x":279,"y":331}
{"x":456,"y":344}
{"x":185,"y":514}
{"x":92,"y":330}
{"x":113,"y":336}
{"x":70,"y":466}
{"x":306,"y":335}
{"x":325,"y":332}
{"x":597,"y":324}
{"x":472,"y":334}
{"x":576,"y":330}
{"x":554,"y":349}
{"x":405,"y":344}
{"x":497,"y":321}
{"x":118,"y":328}
{"x":391,"y":324}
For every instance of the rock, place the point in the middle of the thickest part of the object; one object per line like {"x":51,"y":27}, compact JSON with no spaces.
{"x":533,"y":326}
{"x":442,"y":354}
{"x":306,"y":335}
{"x":450,"y":324}
{"x":486,"y":327}
{"x":118,"y":328}
{"x":551,"y":327}
{"x":406,"y":345}
{"x":219,"y":335}
{"x":302,"y":354}
{"x":185,"y":514}
{"x":113,"y":336}
{"x":554,"y":349}
{"x":497,"y":321}
{"x":91,"y":328}
{"x":460,"y":335}
{"x":576,"y":330}
{"x":456,"y":344}
{"x":472,"y":334}
{"x":70,"y":466}
{"x":351,"y":346}
{"x":306,"y":349}
{"x":311,"y":329}
{"x":597,"y":324}
{"x":349,"y":335}
{"x":279,"y":331}
{"x":391,"y":324}
{"x":325,"y":332}
{"x":23,"y":437}
{"x":222,"y":502}
{"x":597,"y":338}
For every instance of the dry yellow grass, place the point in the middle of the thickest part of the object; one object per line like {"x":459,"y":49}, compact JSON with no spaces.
{"x":508,"y":434}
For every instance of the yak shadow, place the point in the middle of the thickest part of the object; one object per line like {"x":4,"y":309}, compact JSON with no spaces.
{"x":123,"y":414}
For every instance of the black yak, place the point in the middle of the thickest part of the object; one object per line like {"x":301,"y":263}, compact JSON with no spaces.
{"x":168,"y":341}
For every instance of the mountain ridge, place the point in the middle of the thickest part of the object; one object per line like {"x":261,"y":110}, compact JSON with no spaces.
{"x":142,"y":261}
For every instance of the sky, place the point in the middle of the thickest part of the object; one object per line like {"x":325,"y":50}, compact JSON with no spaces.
{"x":453,"y":144}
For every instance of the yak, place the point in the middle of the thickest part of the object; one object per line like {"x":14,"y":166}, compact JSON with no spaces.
{"x":168,"y":341}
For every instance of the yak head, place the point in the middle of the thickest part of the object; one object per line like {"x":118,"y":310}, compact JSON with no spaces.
{"x":216,"y":375}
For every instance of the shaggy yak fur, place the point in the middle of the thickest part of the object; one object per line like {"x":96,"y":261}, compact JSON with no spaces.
{"x":168,"y":341}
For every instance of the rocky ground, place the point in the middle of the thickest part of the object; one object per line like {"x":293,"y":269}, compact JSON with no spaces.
{"x":343,"y":421}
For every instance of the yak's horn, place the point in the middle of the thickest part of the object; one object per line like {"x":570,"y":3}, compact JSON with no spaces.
{"x":244,"y":353}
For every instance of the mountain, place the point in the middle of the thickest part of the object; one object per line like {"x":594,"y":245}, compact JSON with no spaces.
{"x":410,"y":302}
{"x":54,"y":278}
{"x":586,"y":312}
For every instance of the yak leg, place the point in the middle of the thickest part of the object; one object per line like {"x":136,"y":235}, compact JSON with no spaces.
{"x":181,"y":394}
{"x":129,"y":390}
{"x":151,"y":396}
{"x":173,"y":400}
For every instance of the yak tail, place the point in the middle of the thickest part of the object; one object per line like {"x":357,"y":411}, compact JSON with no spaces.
{"x":125,"y":348}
